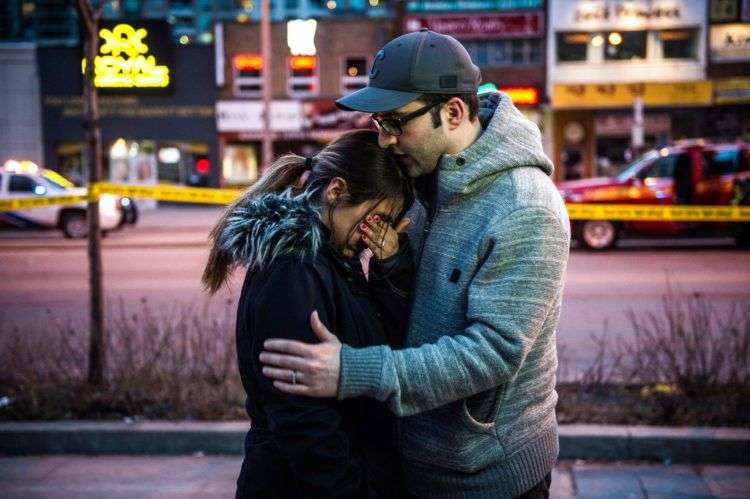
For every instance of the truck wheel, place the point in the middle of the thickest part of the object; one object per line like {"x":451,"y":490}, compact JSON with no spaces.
{"x":598,"y":235}
{"x":74,"y":225}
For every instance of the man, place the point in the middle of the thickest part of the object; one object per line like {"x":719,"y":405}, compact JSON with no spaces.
{"x":475,"y":383}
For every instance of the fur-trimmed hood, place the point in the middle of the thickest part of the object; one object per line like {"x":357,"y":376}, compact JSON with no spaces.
{"x":259,"y":230}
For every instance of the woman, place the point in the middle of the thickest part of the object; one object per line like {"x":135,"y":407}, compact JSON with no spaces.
{"x":299,"y":231}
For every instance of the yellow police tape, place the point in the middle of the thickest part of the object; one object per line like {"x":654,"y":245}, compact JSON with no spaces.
{"x":592,"y":211}
{"x":168,"y":193}
{"x":658,"y":213}
{"x":13,"y":204}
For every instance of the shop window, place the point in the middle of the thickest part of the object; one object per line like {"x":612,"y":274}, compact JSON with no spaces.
{"x":353,"y":74}
{"x":518,"y":51}
{"x":679,"y":44}
{"x":572,"y":46}
{"x":247,"y":70}
{"x":303,"y":79}
{"x":625,"y":45}
{"x":239,"y":165}
{"x":503,"y":53}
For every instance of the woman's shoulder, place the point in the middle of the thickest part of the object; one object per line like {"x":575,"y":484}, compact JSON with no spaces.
{"x":289,"y":270}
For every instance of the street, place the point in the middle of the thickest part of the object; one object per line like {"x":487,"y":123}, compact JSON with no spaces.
{"x":185,"y":477}
{"x":161,"y":260}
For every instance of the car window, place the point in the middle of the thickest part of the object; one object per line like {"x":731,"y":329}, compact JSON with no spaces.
{"x":21,"y":183}
{"x":717,"y":163}
{"x":664,"y":167}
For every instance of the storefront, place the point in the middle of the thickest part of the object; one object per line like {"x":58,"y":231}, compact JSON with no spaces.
{"x":624,"y":76}
{"x":729,"y":60}
{"x":314,"y":63}
{"x":156,"y":106}
{"x":507,"y":44}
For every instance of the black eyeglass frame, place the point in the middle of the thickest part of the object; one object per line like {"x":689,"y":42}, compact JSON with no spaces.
{"x":395,"y":126}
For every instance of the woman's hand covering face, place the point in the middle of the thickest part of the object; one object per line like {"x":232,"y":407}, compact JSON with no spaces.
{"x":380,"y":236}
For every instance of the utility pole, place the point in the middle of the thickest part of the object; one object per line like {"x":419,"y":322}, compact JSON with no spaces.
{"x":265,"y":46}
{"x":90,"y":19}
{"x":399,"y":13}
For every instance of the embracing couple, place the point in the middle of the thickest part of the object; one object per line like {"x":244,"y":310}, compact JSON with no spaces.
{"x":392,"y":347}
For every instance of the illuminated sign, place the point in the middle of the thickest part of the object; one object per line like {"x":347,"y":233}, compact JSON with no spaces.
{"x":303,"y":62}
{"x":488,"y":26}
{"x":573,"y":96}
{"x":523,"y":96}
{"x":126,"y":60}
{"x":248,"y":62}
{"x":300,"y":36}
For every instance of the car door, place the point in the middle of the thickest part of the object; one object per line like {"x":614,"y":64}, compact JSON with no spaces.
{"x":23,"y":185}
{"x":719,"y":168}
{"x":656,"y":186}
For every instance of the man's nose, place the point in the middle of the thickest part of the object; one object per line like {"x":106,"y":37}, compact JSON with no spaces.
{"x":385,"y":139}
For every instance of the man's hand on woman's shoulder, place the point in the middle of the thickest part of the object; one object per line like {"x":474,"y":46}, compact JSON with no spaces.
{"x":300,"y":368}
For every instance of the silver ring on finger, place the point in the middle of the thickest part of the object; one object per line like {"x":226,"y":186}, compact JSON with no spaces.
{"x":294,"y":377}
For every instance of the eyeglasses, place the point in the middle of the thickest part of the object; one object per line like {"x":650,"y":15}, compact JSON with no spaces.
{"x":395,"y":125}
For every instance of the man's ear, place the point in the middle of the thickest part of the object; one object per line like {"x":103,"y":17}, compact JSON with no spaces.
{"x":457,"y":111}
{"x":335,"y":190}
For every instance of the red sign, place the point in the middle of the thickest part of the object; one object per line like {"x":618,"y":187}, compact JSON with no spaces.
{"x":481,"y":26}
{"x":522,"y":96}
{"x":244,"y":62}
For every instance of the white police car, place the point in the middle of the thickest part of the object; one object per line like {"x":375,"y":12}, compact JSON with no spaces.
{"x":21,"y":179}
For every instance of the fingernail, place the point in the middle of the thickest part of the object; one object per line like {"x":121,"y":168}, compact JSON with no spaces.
{"x":363,"y":226}
{"x":369,"y":218}
{"x":377,"y":218}
{"x":364,"y":238}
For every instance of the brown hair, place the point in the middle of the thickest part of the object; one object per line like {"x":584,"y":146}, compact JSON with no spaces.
{"x":471,"y":101}
{"x":370,"y":173}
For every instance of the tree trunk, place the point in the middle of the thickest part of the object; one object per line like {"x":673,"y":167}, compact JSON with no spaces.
{"x":90,"y":20}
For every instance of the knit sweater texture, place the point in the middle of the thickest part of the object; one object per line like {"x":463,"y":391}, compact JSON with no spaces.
{"x":474,"y":385}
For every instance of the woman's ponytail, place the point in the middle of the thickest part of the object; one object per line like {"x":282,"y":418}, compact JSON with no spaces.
{"x":284,"y":173}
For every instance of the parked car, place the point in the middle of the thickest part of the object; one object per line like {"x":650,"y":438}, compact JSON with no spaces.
{"x":25,"y":179}
{"x":683,"y":174}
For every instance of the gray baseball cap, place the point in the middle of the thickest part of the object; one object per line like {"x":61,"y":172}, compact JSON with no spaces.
{"x":407,"y":67}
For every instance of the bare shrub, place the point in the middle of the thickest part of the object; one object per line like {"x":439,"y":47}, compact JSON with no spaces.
{"x":690,"y":345}
{"x":685,"y":364}
{"x":174,"y":365}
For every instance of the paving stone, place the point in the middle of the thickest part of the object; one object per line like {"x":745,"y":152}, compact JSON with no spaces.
{"x":606,"y":482}
{"x":675,"y":480}
{"x":727,"y":481}
{"x":562,"y":484}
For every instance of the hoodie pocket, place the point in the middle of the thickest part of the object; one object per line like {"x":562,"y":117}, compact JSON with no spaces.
{"x":450,"y":437}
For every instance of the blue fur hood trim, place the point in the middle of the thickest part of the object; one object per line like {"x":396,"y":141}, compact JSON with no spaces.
{"x":261,"y":229}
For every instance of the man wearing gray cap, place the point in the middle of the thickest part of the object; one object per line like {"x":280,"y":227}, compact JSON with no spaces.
{"x":475,"y":382}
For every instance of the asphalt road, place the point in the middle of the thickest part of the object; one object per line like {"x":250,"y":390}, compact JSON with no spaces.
{"x":41,"y":272}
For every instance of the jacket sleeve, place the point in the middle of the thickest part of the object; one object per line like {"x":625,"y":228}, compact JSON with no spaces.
{"x":508,"y":301}
{"x":390,"y":286}
{"x":308,"y":431}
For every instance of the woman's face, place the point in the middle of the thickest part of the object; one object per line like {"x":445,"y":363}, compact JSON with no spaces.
{"x":345,"y":221}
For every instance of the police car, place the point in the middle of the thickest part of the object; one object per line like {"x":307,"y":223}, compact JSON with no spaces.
{"x":23,"y":179}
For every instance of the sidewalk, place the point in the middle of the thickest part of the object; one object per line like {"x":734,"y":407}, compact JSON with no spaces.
{"x":121,"y":477}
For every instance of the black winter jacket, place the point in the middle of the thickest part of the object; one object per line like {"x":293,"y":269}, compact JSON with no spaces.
{"x":300,"y":447}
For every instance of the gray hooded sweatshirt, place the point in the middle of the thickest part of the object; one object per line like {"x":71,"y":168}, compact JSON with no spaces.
{"x":475,"y":383}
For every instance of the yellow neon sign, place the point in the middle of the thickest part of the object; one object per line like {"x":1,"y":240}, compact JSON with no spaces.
{"x":124,"y":61}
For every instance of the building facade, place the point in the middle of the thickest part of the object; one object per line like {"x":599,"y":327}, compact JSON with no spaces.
{"x":314,"y":63}
{"x":157,"y":107}
{"x":624,"y":75}
{"x":729,"y":69}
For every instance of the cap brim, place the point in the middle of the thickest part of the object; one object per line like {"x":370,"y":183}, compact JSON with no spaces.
{"x":376,"y":100}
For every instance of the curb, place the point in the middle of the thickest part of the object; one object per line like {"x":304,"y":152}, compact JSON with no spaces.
{"x":588,"y":442}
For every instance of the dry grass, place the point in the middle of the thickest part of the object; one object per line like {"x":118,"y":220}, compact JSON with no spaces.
{"x":688,"y":364}
{"x":178,"y":365}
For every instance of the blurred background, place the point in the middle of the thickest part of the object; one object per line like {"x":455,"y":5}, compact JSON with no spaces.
{"x":638,"y":101}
